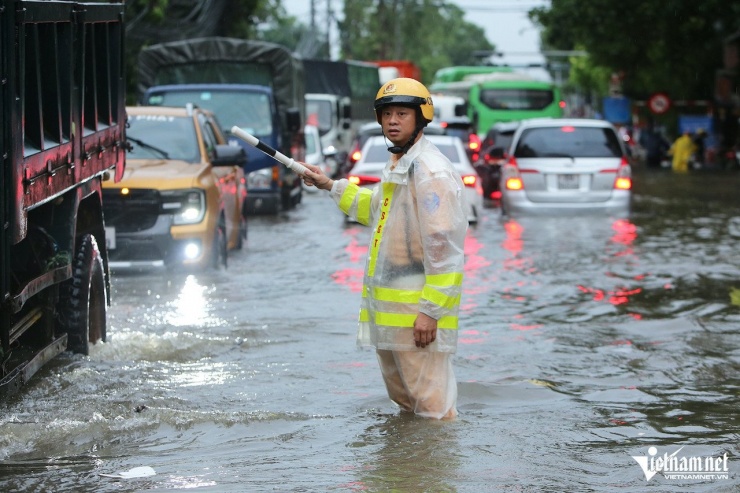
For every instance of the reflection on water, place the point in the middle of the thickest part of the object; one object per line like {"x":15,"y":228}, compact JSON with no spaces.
{"x":583,"y":342}
{"x":407,"y":454}
{"x":191,"y":306}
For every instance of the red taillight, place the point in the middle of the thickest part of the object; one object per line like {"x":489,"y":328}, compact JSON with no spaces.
{"x":363,"y":179}
{"x":496,"y":195}
{"x":514,"y":183}
{"x":474,"y":142}
{"x":623,"y":183}
{"x":624,"y":176}
{"x":355,"y":156}
{"x":469,"y":180}
{"x":513,"y":180}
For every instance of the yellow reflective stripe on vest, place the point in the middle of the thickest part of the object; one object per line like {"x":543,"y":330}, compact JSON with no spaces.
{"x":405,"y":320}
{"x":363,"y":206}
{"x":445,"y":280}
{"x":348,"y":197}
{"x":439,"y":298}
{"x":397,"y":295}
{"x":385,"y":206}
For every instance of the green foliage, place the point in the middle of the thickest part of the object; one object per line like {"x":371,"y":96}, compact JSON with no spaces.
{"x":673,"y":46}
{"x":431,"y":33}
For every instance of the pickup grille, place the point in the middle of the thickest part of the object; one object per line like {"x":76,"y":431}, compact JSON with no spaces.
{"x":133,"y":212}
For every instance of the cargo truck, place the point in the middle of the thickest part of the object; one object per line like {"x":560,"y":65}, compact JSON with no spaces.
{"x":339,"y":98}
{"x":255,"y":85}
{"x":61,"y":134}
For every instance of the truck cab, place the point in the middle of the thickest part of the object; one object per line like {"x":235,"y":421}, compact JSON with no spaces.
{"x":220,"y":74}
{"x":252,"y":108}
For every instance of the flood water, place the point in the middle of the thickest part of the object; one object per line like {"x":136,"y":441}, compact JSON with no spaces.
{"x":583,"y":342}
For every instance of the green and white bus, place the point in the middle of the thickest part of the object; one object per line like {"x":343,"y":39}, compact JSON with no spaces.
{"x":499,"y":95}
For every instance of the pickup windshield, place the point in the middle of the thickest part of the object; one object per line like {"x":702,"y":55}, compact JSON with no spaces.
{"x":163,"y":137}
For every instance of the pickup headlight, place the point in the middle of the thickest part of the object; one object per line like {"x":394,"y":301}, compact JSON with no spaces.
{"x":186,"y":206}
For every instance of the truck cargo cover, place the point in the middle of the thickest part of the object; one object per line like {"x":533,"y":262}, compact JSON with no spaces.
{"x":221,"y":60}
{"x":327,"y":77}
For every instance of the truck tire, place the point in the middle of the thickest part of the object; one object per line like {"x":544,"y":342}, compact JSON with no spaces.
{"x":83,"y":299}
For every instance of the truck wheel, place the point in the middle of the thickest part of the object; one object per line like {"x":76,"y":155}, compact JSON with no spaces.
{"x":83,"y":299}
{"x":220,"y":245}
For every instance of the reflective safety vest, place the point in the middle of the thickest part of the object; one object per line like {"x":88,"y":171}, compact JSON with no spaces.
{"x":415,"y":259}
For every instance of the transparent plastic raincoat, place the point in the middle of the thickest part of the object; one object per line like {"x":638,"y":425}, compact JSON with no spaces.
{"x":415,"y":260}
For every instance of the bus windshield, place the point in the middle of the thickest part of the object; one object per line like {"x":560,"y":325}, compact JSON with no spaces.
{"x":517,"y":99}
{"x":498,"y":94}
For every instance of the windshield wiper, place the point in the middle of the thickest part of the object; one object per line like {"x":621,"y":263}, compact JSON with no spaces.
{"x":559,"y":154}
{"x":143,"y":144}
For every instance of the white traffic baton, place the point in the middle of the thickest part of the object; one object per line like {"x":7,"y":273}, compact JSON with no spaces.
{"x":278,"y":156}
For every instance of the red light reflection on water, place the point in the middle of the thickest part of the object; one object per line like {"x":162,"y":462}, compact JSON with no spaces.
{"x":473,"y":260}
{"x":469,"y":337}
{"x":352,"y":276}
{"x":356,"y":251}
{"x":513,"y":243}
{"x":523,"y":328}
{"x":513,"y":240}
{"x":625,"y":234}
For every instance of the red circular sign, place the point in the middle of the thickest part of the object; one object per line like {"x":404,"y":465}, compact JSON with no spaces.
{"x":659,"y":103}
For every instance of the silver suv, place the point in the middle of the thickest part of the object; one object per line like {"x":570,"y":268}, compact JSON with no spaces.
{"x":562,"y":165}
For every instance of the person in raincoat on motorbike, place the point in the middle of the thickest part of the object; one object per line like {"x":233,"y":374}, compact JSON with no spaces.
{"x":414,"y":270}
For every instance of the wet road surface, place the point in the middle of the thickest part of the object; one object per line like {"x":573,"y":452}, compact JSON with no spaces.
{"x":583,"y":342}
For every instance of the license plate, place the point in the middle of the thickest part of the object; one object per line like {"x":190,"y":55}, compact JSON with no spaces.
{"x":110,"y":237}
{"x":568,"y":182}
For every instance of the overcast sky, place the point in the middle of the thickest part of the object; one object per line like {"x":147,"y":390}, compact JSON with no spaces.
{"x":505,"y":23}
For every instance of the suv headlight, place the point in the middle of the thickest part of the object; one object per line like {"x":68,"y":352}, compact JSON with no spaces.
{"x":186,"y":206}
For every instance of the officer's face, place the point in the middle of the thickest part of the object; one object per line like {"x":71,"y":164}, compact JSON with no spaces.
{"x":398,"y":123}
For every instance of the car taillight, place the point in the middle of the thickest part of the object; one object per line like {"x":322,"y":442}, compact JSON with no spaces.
{"x":514,"y":183}
{"x":355,"y":156}
{"x":624,"y":176}
{"x":360,"y":180}
{"x":513,"y":179}
{"x":474,"y":142}
{"x":469,"y":180}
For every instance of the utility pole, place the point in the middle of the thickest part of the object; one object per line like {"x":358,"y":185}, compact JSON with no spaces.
{"x":329,"y":18}
{"x":313,"y":16}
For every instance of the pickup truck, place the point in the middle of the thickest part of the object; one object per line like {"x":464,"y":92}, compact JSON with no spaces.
{"x":180,"y":202}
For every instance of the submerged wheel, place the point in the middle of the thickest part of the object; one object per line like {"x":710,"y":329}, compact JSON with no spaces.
{"x":220,"y":245}
{"x":242,"y":237}
{"x":82,"y":299}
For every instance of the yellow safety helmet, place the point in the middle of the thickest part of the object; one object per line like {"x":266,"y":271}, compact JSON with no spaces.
{"x":405,"y":91}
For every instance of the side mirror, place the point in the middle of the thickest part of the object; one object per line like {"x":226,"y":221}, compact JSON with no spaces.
{"x":293,"y":119}
{"x":229,"y":155}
